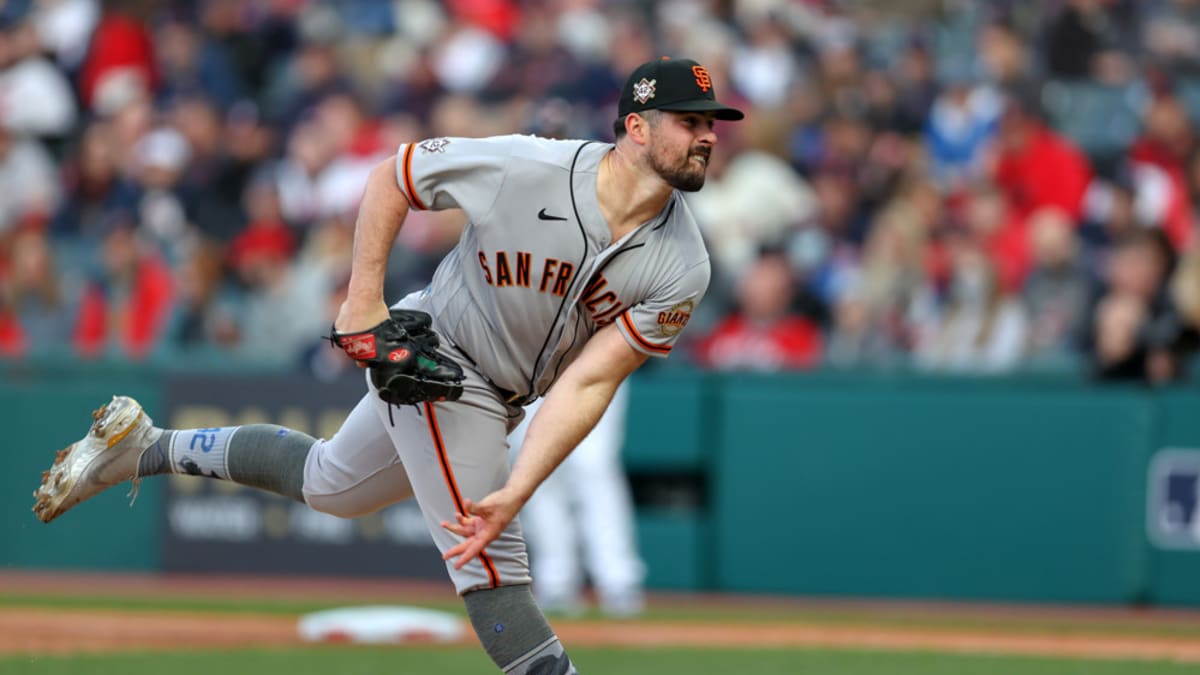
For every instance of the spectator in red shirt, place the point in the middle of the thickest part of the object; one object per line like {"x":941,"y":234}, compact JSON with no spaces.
{"x":1004,"y":236}
{"x":763,"y":333}
{"x":121,"y":55}
{"x":1036,"y":167}
{"x":1160,"y":155}
{"x":125,"y":310}
{"x":981,"y":327}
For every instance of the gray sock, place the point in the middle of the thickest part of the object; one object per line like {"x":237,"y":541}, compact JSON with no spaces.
{"x":514,"y":632}
{"x":264,"y":456}
{"x":270,"y":457}
{"x":154,"y":458}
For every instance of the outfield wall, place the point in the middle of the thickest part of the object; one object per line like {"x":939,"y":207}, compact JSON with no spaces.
{"x":1017,"y":489}
{"x":41,"y":411}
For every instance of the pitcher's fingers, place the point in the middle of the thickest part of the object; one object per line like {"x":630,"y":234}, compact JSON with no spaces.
{"x":472,"y":550}
{"x":455,"y":550}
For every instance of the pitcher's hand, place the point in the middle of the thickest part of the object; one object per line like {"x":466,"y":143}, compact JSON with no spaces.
{"x":354,"y":317}
{"x":481,"y":524}
{"x":358,"y":316}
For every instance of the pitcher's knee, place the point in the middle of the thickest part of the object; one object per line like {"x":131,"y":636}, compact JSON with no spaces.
{"x":342,"y":485}
{"x":329,"y":487}
{"x":343,"y":505}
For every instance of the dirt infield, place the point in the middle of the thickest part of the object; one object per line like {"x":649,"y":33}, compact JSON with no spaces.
{"x":41,"y":630}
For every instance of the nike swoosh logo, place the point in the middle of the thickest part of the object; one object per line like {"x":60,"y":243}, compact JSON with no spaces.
{"x":542,"y":215}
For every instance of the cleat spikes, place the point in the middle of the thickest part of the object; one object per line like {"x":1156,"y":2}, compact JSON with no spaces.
{"x":106,"y":456}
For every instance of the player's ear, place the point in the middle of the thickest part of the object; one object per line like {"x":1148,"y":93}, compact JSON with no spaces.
{"x":637,"y":128}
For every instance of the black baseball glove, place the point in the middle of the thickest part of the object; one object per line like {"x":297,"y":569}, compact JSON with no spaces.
{"x":402,"y":354}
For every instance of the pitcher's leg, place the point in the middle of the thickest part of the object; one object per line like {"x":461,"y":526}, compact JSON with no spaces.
{"x":353,"y":473}
{"x":457,"y":451}
{"x":123,"y":444}
{"x":514,"y":633}
{"x":357,"y":471}
{"x":265,"y":456}
{"x":452,"y":452}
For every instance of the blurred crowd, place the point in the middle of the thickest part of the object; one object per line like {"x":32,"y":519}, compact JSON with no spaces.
{"x":944,"y":185}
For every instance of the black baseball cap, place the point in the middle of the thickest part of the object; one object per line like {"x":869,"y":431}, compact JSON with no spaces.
{"x":679,"y":85}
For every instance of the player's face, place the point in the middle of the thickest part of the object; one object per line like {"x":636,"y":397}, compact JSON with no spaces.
{"x":680,"y":146}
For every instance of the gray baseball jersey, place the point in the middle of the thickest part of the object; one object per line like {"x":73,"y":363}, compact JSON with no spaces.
{"x":536,"y":272}
{"x":534,"y":275}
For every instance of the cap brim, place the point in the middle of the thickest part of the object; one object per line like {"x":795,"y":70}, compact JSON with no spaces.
{"x":723,"y":111}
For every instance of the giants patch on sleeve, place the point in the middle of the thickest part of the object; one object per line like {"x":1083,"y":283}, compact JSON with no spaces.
{"x":671,"y":321}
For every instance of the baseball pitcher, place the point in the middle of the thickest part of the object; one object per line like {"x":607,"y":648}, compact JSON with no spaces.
{"x":580,"y":260}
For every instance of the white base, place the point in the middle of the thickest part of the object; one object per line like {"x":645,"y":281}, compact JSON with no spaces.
{"x":382,"y":625}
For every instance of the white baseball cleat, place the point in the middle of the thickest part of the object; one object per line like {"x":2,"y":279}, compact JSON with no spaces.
{"x":108,"y":455}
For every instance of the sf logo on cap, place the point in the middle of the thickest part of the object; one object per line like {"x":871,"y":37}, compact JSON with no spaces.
{"x":644,"y":91}
{"x":702,"y":79}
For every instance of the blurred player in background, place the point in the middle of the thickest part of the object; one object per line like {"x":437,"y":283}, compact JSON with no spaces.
{"x":570,"y":535}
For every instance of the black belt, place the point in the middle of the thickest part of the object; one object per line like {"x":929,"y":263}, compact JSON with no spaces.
{"x":508,"y":396}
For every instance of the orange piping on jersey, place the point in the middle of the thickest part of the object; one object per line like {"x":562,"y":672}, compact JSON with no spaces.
{"x":448,"y":474}
{"x":606,"y":317}
{"x":646,"y":344}
{"x":409,"y":187}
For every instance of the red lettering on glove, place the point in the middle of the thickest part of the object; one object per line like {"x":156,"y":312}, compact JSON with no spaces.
{"x":358,"y":346}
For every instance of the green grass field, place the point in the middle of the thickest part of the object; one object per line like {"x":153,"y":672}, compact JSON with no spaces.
{"x":464,"y":660}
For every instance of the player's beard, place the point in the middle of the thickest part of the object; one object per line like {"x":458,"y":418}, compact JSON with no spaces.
{"x":687,"y":176}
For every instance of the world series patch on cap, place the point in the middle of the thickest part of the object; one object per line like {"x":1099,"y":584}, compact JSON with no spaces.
{"x":679,"y":85}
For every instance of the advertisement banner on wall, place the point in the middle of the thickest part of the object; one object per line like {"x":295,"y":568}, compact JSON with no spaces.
{"x":1173,"y":499}
{"x":218,"y":526}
